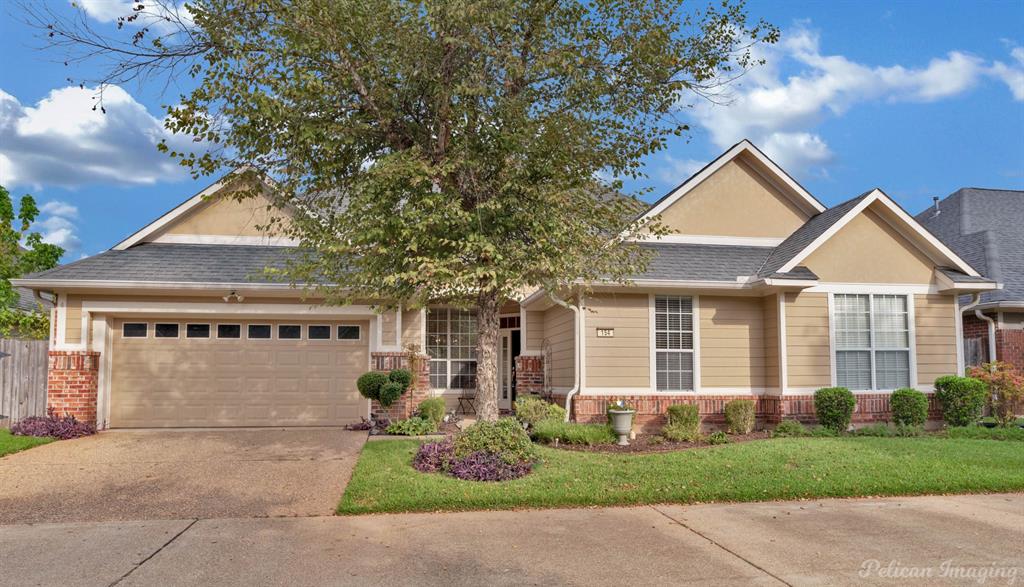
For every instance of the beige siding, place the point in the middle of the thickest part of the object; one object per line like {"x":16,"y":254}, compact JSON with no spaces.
{"x":73,"y":323}
{"x":935,"y":336}
{"x":624,"y":359}
{"x":732,"y":350}
{"x":388,"y":323}
{"x":734,"y":201}
{"x":560,"y":343}
{"x":412,"y":329}
{"x":534,"y":331}
{"x":807,"y":340}
{"x":225,"y":216}
{"x":856,"y":253}
{"x":770,"y":310}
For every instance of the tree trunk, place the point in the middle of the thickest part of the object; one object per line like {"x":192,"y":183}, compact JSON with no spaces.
{"x":487,"y":357}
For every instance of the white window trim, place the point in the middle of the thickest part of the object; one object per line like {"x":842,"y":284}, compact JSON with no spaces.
{"x":330,"y":332}
{"x":338,"y":338}
{"x":148,"y":329}
{"x":248,"y":326}
{"x":449,"y":360}
{"x":207,"y":337}
{"x":653,"y":345}
{"x":177,"y":337}
{"x":219,"y":337}
{"x":911,"y":335}
{"x":277,"y":330}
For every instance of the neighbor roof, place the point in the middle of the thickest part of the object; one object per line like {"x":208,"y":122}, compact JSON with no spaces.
{"x":986,"y":228}
{"x":690,"y":262}
{"x":27,"y":302}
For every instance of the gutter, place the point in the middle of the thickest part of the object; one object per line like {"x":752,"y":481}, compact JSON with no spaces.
{"x":576,"y":351}
{"x":991,"y":325}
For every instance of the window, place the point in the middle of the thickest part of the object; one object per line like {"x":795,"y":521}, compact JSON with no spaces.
{"x":135,"y":330}
{"x":229,"y":331}
{"x":451,"y":344}
{"x":161,"y":330}
{"x":346,"y":332}
{"x":673,"y":341}
{"x":289,"y":331}
{"x":197,"y":331}
{"x":872,"y":341}
{"x":259,"y":331}
{"x":508,"y":322}
{"x":318,"y":332}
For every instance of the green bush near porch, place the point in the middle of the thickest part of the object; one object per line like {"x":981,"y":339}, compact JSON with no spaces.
{"x":547,"y":431}
{"x":789,"y":468}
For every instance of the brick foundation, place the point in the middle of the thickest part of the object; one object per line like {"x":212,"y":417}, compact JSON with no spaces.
{"x":419,"y":365}
{"x":1009,"y":342}
{"x":529,"y":375}
{"x":71,"y":383}
{"x":770,"y":410}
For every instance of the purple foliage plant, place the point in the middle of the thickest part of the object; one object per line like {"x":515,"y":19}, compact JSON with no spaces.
{"x":59,"y":427}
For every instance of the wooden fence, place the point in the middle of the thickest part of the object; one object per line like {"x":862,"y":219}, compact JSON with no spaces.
{"x":975,"y":351}
{"x":22,"y":379}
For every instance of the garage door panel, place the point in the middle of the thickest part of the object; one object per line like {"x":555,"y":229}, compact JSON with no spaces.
{"x":228,"y":382}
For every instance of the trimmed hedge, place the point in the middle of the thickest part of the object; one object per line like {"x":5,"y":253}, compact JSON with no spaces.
{"x":389,"y":392}
{"x":547,"y":431}
{"x":909,"y":407}
{"x":739,"y":416}
{"x":505,"y":438}
{"x":531,"y":410}
{"x":683,"y":423}
{"x":834,"y":407}
{"x":369,"y":384}
{"x":962,"y":399}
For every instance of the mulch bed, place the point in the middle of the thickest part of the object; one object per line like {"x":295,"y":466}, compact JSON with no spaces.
{"x":652,"y":443}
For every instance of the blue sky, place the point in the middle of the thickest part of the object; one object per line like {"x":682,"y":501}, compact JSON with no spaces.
{"x":918,"y":98}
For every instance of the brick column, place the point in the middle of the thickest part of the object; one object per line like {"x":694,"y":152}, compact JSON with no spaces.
{"x":529,"y":374}
{"x":418,"y":391}
{"x":71,"y":384}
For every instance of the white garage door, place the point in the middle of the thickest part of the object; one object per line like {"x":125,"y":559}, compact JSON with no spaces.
{"x":183,"y":373}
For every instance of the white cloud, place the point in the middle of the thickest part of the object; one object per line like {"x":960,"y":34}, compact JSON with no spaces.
{"x":154,"y":13}
{"x":676,"y":170}
{"x":56,"y":224}
{"x":780,"y":114}
{"x":1013,"y":74}
{"x":62,"y":141}
{"x":58,"y":208}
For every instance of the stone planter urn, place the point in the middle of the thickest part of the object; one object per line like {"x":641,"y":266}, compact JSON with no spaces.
{"x":622,"y":423}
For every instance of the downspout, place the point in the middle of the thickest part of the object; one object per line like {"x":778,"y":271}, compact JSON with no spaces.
{"x":576,"y":351}
{"x":991,"y":326}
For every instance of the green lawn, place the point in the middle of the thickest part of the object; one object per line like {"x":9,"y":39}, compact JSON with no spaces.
{"x":10,"y":443}
{"x":785,"y":468}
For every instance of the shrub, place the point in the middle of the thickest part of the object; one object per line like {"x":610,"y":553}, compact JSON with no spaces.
{"x":834,"y":407}
{"x":822,"y":432}
{"x":873,"y":430}
{"x":547,"y":431}
{"x":402,"y":377}
{"x":434,"y":457}
{"x":983,"y":433}
{"x":369,"y":384}
{"x":505,"y":437}
{"x":433,"y":410}
{"x":1006,"y":389}
{"x":389,"y":392}
{"x":718,"y":438}
{"x":909,"y":406}
{"x":59,"y":427}
{"x":531,"y":410}
{"x":962,"y":399}
{"x":415,"y":426}
{"x":485,"y":466}
{"x":683,"y":423}
{"x":789,"y":429}
{"x":739,"y":416}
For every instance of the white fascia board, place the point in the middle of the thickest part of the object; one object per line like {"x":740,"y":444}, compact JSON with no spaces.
{"x":948,"y":285}
{"x":810,"y":203}
{"x":64,"y":284}
{"x":996,"y":306}
{"x":216,"y":239}
{"x":797,"y":283}
{"x":219,"y":308}
{"x":676,"y":283}
{"x":707,"y":239}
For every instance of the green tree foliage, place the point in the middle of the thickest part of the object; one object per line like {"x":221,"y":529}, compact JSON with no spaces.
{"x":21,"y":251}
{"x":443,"y":151}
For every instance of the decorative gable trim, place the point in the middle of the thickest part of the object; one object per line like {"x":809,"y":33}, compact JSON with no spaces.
{"x":180,"y":210}
{"x":800,"y":196}
{"x":905,"y":224}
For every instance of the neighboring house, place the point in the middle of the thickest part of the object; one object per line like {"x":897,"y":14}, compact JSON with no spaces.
{"x":27,"y":301}
{"x":986,"y":228}
{"x":760,"y":292}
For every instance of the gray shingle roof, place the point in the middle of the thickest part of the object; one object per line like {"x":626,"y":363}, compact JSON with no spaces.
{"x":27,"y":302}
{"x":799,"y":272}
{"x":806,"y":234}
{"x":986,"y":228}
{"x":173,"y":263}
{"x":703,"y":262}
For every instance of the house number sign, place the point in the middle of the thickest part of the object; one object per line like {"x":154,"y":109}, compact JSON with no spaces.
{"x":605,"y":332}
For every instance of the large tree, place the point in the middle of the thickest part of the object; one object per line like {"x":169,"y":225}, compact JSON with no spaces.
{"x":447,"y":151}
{"x":22,"y":250}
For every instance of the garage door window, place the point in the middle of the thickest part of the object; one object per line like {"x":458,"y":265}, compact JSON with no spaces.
{"x":259,"y":331}
{"x":346,"y":332}
{"x":135,"y":330}
{"x":165,"y":330}
{"x":318,"y":332}
{"x":289,"y":332}
{"x":197,"y":331}
{"x":229,"y":331}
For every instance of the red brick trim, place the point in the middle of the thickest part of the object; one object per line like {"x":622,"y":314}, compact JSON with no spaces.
{"x":71,"y":383}
{"x":870,"y":408}
{"x":651,"y":409}
{"x":529,"y":374}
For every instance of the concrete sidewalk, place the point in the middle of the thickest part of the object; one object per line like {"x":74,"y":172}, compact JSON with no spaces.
{"x":921,"y":540}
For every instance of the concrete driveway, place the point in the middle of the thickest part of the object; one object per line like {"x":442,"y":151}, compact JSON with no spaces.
{"x":942,"y":540}
{"x":175,"y":474}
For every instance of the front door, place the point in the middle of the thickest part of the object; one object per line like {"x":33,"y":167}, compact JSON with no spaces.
{"x":505,"y":374}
